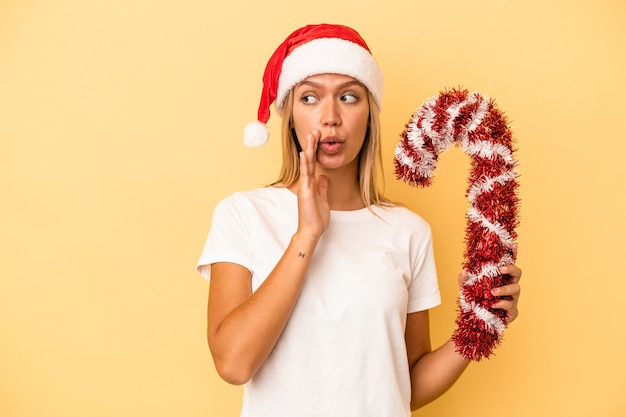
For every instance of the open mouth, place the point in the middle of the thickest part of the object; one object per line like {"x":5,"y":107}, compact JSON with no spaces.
{"x":330,"y":146}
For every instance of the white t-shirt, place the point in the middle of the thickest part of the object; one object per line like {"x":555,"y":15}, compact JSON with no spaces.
{"x":342,"y":352}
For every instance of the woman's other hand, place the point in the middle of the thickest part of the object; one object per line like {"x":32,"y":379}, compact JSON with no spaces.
{"x":509,"y":292}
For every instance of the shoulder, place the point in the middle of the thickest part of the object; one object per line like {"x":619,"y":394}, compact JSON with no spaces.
{"x":401,"y":217}
{"x":257,"y":197}
{"x":264,"y":204}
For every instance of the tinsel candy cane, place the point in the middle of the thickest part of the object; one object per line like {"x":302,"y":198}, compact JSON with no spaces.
{"x":474,"y":123}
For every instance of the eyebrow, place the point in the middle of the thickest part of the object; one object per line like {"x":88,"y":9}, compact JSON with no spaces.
{"x":342,"y":85}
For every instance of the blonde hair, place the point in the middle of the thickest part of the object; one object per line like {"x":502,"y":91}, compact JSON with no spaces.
{"x":370,"y":158}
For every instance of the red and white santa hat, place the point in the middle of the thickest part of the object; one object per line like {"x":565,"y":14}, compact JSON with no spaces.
{"x":312,"y":50}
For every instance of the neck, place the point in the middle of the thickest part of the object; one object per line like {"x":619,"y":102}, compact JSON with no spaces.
{"x":344,"y":195}
{"x":344,"y":191}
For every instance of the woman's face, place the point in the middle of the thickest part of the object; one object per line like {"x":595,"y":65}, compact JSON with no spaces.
{"x":336,"y":105}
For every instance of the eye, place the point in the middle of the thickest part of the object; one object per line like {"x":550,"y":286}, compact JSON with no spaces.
{"x":349,"y":98}
{"x":308,"y":99}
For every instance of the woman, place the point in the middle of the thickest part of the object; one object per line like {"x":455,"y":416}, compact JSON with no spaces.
{"x":319,"y":286}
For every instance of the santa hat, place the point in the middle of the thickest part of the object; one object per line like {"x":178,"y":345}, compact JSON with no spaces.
{"x":312,"y":50}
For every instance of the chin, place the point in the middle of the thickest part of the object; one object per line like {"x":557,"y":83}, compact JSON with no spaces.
{"x":334,"y":162}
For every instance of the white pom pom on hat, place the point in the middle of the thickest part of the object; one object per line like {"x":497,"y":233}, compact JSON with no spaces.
{"x":312,"y":50}
{"x":255,"y":134}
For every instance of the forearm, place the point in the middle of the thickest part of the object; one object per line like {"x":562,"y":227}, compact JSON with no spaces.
{"x":241,"y":341}
{"x":434,"y":373}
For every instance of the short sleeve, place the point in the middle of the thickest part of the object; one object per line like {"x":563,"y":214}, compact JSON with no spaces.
{"x":229,"y":237}
{"x":424,"y":287}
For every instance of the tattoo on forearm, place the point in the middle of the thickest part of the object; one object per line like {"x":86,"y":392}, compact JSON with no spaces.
{"x":301,"y":255}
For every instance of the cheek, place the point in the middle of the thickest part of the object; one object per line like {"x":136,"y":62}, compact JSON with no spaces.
{"x":303,"y":126}
{"x":360,"y":123}
{"x":301,"y":132}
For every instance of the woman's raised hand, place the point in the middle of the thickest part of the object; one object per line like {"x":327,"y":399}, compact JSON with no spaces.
{"x":313,"y":208}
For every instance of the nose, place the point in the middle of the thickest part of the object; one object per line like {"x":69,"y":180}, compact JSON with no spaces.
{"x":330,"y":114}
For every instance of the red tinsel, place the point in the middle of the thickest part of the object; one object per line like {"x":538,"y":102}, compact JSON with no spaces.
{"x":474,"y":123}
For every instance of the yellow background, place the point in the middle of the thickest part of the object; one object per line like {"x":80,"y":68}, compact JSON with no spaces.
{"x":120,"y":129}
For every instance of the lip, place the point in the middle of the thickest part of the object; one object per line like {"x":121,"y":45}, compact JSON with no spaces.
{"x":330,"y":144}
{"x":334,"y":139}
